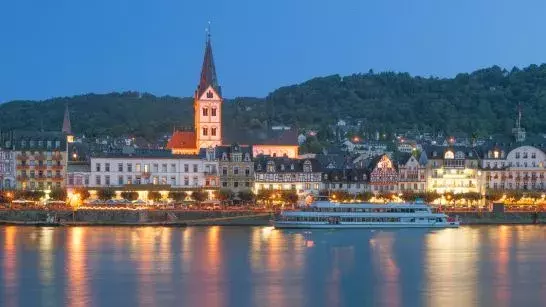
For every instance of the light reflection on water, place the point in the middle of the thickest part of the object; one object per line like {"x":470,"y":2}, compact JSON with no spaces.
{"x":259,"y":266}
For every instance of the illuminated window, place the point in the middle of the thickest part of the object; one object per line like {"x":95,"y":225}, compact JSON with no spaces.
{"x":449,"y":155}
{"x":496,"y":154}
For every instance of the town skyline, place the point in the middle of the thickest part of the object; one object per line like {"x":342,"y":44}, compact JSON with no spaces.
{"x":157,"y":56}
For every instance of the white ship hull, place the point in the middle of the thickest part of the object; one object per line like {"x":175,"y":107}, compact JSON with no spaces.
{"x":320,"y":225}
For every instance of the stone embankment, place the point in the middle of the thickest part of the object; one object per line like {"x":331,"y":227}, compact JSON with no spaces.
{"x":134,"y":217}
{"x":205,"y":218}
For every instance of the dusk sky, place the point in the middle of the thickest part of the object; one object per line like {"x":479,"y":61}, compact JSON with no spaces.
{"x":68,"y":47}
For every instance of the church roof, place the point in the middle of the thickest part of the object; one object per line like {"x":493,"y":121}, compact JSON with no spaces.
{"x":182,"y":140}
{"x":67,"y":127}
{"x":208,"y":72}
{"x":245,"y":136}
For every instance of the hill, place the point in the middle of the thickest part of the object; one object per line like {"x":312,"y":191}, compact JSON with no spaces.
{"x":480,"y":103}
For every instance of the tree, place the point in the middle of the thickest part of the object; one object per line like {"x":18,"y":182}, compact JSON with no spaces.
{"x":178,"y":196}
{"x":58,"y":194}
{"x":430,"y":197}
{"x":246,"y":195}
{"x":364,"y":196}
{"x":224,"y":194}
{"x":83,"y":193}
{"x":199,"y":196}
{"x":341,"y":195}
{"x":129,"y":195}
{"x":154,"y":196}
{"x":409,"y":196}
{"x":106,"y":193}
{"x":289,"y":197}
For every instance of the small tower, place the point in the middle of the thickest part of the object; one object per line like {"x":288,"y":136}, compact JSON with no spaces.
{"x":208,"y":103}
{"x":67,"y":127}
{"x":518,"y":131}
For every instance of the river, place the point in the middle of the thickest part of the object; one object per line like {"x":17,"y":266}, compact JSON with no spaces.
{"x":259,"y":266}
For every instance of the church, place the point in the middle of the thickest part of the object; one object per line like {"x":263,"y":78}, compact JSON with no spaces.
{"x":208,"y":130}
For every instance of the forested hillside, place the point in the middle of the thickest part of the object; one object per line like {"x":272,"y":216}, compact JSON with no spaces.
{"x":480,"y":103}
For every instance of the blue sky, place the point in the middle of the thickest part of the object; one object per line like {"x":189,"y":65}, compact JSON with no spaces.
{"x":67,"y":47}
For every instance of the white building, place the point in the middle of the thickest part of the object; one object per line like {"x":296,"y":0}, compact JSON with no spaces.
{"x":156,"y":167}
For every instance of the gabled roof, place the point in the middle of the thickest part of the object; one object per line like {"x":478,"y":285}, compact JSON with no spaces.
{"x":182,"y":140}
{"x":283,"y":164}
{"x":208,"y":72}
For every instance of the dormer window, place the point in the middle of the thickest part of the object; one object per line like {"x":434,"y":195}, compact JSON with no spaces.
{"x":292,"y":166}
{"x":282,"y":167}
{"x":307,"y":167}
{"x":247,"y":157}
{"x":224,"y":156}
{"x":449,"y":155}
{"x":210,"y":94}
{"x":434,"y":154}
{"x":496,"y":154}
{"x":271,"y":166}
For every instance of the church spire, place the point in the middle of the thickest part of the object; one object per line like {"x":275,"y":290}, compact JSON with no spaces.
{"x":67,"y":128}
{"x":208,"y":71}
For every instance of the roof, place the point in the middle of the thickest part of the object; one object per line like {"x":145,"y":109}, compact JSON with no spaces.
{"x":78,"y":167}
{"x":30,"y":140}
{"x":351,"y":175}
{"x":437,"y":152}
{"x":284,"y":165}
{"x":142,"y":154}
{"x":208,"y":72}
{"x":245,"y":136}
{"x":182,"y":140}
{"x":231,"y":149}
{"x":67,"y":128}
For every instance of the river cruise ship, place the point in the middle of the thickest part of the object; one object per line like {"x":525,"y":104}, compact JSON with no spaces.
{"x":326,"y":214}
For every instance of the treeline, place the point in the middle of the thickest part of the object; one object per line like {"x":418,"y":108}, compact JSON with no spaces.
{"x":479,"y":103}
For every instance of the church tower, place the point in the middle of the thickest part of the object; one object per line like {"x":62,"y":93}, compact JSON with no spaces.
{"x":208,"y":103}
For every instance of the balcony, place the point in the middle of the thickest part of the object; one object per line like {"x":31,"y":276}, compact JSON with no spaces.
{"x":57,"y":167}
{"x":23,"y":166}
{"x":40,"y":167}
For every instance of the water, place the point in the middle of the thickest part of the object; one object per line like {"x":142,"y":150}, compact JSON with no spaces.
{"x":243,"y":266}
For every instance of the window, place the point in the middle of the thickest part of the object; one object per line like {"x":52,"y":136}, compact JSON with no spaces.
{"x":213,"y":112}
{"x":107,"y":167}
{"x":129,"y":180}
{"x":129,"y":167}
{"x":235,"y":170}
{"x":186,"y":180}
{"x":155,"y":180}
{"x":213,"y":131}
{"x":137,"y":167}
{"x":517,"y":155}
{"x":164,"y":168}
{"x":533,"y":155}
{"x":224,"y":184}
{"x":195,"y":181}
{"x":97,"y":180}
{"x":107,"y":180}
{"x":120,"y":180}
{"x":247,"y":184}
{"x":146,"y":168}
{"x":195,"y":167}
{"x":155,"y":168}
{"x":236,"y":184}
{"x":186,"y":168}
{"x":224,"y":170}
{"x":173,"y":181}
{"x":210,"y":94}
{"x":247,"y":171}
{"x":205,"y":131}
{"x":173,"y":168}
{"x":120,"y":167}
{"x":205,"y":112}
{"x":97,"y":167}
{"x":307,"y":166}
{"x":48,"y":174}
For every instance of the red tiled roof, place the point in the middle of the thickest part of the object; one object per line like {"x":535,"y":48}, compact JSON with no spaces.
{"x":182,"y":139}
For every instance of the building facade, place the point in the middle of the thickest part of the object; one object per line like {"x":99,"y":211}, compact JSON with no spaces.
{"x":383,"y":175}
{"x":148,"y":167}
{"x":453,"y":169}
{"x":7,"y":169}
{"x":304,"y":176}
{"x":40,"y":160}
{"x":412,"y":174}
{"x":236,"y":167}
{"x":517,"y":168}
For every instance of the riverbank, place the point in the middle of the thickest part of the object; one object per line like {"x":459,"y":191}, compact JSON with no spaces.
{"x":184,"y":218}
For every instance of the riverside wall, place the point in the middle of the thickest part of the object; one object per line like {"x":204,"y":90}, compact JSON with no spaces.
{"x":204,"y":218}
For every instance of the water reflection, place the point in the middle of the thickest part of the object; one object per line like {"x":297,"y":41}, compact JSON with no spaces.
{"x":238,"y":266}
{"x":10,"y":282}
{"x":78,"y":287}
